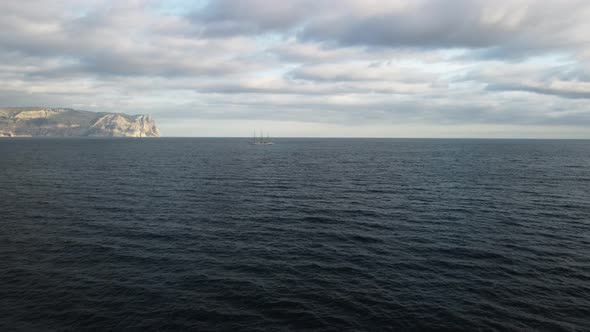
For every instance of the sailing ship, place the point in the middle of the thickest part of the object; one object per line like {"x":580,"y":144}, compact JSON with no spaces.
{"x":262,"y":140}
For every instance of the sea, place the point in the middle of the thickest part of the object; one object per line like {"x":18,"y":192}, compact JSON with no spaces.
{"x":216,"y":234}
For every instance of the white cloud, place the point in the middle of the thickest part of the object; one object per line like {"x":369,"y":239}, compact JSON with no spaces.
{"x":355,"y":67}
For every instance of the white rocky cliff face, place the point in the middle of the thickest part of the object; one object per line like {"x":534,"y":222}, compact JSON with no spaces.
{"x":63,"y":122}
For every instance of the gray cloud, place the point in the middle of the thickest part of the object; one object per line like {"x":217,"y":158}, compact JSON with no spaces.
{"x":497,"y":29}
{"x":460,"y":23}
{"x":565,"y":93}
{"x":120,"y":40}
{"x":345,"y":63}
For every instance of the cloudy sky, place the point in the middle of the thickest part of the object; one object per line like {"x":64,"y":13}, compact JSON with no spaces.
{"x":366,"y":68}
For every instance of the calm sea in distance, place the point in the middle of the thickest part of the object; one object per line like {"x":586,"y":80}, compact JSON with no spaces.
{"x":305,"y":234}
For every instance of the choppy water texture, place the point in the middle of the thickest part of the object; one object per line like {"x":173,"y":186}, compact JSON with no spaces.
{"x":313,"y":234}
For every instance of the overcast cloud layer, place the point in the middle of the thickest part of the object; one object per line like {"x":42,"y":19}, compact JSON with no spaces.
{"x":387,"y":68}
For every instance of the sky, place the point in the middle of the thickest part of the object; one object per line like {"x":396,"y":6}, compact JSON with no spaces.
{"x":320,"y":68}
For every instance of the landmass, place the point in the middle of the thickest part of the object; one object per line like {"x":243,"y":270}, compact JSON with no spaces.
{"x":67,"y":122}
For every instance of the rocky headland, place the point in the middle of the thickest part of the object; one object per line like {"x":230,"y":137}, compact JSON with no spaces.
{"x":66,"y":122}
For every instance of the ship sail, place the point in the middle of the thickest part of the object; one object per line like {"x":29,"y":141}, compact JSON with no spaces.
{"x":262,"y":140}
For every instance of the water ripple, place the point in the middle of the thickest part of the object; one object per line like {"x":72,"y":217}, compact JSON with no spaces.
{"x":330,"y":235}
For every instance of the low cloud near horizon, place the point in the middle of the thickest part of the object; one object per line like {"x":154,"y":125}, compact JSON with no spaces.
{"x":365,"y":68}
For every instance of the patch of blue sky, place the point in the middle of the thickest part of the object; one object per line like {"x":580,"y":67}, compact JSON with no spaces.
{"x":552,"y":59}
{"x":179,"y":7}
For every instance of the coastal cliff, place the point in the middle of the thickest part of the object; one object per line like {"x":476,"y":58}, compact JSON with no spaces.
{"x":66,"y":122}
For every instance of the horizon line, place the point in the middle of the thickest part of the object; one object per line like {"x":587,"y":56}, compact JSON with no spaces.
{"x":380,"y":137}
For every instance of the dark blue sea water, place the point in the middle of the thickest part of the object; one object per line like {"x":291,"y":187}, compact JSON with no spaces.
{"x":306,"y":234}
